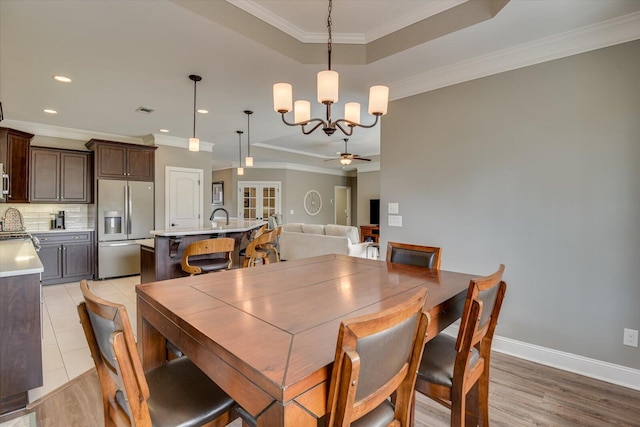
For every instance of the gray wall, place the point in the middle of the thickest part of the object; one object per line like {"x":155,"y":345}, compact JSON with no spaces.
{"x":539,"y":169}
{"x":295,"y":185}
{"x":368,"y":188}
{"x":179,"y":157}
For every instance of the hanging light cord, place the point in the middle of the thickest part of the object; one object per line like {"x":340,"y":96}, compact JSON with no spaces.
{"x":329,"y":30}
{"x":194,"y":107}
{"x":248,"y":136}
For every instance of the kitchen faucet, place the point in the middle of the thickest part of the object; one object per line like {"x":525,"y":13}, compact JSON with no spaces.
{"x":219,"y":209}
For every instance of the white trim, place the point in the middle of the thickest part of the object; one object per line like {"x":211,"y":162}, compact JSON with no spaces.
{"x":608,"y":33}
{"x":592,"y":368}
{"x":292,"y":150}
{"x":430,"y":9}
{"x":67,"y":133}
{"x":174,"y":141}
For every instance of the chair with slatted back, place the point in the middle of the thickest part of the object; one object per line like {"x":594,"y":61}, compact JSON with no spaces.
{"x":421,"y":256}
{"x":377,"y":355}
{"x":174,"y":394}
{"x":260,"y":248}
{"x":255,"y":233}
{"x":203,"y":256}
{"x":455,"y":371}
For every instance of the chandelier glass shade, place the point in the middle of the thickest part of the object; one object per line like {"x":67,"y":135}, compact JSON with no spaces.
{"x":327,"y":86}
{"x":194,"y":143}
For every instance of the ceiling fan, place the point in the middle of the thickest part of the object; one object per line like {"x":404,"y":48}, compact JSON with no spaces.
{"x":346,"y":158}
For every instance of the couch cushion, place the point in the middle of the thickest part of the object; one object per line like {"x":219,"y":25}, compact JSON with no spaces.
{"x":295,"y":227}
{"x":313,"y":228}
{"x":343,"y":231}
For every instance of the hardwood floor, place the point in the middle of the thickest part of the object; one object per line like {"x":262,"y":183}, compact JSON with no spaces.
{"x":522,"y":394}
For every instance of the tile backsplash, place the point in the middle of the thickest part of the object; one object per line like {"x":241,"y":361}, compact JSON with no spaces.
{"x":37,"y":216}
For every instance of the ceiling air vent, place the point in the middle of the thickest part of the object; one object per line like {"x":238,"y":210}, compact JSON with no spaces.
{"x":145,"y":110}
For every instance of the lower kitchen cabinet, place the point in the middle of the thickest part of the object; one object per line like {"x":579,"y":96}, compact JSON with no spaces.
{"x":66,"y":257}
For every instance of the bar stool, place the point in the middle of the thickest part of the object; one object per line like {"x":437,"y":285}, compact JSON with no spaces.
{"x":200,"y":264}
{"x":260,"y":248}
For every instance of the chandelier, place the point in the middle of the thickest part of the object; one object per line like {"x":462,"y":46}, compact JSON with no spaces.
{"x":327,"y":95}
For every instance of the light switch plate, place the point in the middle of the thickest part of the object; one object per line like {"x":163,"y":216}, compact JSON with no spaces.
{"x":291,"y":212}
{"x":392,"y":208}
{"x":395,"y":220}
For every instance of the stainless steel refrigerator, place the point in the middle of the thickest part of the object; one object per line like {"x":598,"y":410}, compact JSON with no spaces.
{"x":125,"y":213}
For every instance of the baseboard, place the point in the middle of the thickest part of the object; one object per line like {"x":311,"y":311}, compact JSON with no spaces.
{"x":597,"y":369}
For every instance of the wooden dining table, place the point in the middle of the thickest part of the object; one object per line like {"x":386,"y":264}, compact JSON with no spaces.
{"x":267,"y":335}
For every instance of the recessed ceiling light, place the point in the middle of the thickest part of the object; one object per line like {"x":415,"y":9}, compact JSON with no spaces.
{"x":203,"y":111}
{"x":62,"y":79}
{"x":164,"y":130}
{"x":49,"y":111}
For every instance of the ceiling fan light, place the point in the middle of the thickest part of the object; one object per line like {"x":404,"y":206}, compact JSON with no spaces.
{"x":378,"y":100}
{"x":327,"y":86}
{"x":302,"y":111}
{"x":345,"y":161}
{"x":248,"y":161}
{"x":194,"y":144}
{"x":282,"y":97}
{"x":352,"y":112}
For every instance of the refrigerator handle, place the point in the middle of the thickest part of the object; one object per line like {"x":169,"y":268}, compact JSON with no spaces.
{"x":129,"y":211}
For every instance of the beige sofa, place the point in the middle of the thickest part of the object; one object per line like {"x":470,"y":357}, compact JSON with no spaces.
{"x":298,"y":240}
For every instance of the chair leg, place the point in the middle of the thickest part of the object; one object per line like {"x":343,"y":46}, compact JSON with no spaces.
{"x":458,"y":408}
{"x":471,"y":410}
{"x":483,"y":399}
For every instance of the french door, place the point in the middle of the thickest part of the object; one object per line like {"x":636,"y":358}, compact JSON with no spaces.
{"x":258,"y":199}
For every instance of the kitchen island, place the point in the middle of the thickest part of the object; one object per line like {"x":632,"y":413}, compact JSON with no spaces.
{"x":20,"y":323}
{"x":168,"y":245}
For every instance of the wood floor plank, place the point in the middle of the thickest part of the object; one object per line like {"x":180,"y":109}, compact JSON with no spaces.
{"x":522,"y":394}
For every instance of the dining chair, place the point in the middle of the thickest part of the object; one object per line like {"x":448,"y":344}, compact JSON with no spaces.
{"x":454,"y":371}
{"x":261,"y":248}
{"x":377,"y":356}
{"x":194,"y":259}
{"x":421,"y":256}
{"x":255,"y":233}
{"x":174,"y":394}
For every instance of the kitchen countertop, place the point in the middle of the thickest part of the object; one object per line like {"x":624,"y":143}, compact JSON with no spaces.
{"x":59,"y":230}
{"x":235,"y":225}
{"x":149,"y":243}
{"x":18,"y":257}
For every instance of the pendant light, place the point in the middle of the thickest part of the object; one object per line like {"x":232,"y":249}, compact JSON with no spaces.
{"x":240,"y":168}
{"x":194,"y":143}
{"x":248,"y":161}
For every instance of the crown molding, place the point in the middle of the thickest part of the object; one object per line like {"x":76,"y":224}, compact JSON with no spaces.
{"x":291,"y":150}
{"x":431,"y":8}
{"x":368,"y":167}
{"x":286,"y":166}
{"x":174,"y":141}
{"x":608,"y":33}
{"x":68,"y":133}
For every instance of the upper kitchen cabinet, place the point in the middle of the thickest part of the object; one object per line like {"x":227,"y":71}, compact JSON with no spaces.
{"x":117,"y":160}
{"x":60,"y":176}
{"x":14,"y":158}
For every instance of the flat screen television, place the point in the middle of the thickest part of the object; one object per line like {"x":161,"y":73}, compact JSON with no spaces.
{"x":374,"y":211}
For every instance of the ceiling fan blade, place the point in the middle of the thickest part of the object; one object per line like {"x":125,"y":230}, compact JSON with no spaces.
{"x":361,"y":158}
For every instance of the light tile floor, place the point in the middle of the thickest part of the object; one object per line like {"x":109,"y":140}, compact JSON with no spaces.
{"x":65,"y":353}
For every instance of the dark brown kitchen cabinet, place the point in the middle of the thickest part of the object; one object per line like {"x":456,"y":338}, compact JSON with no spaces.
{"x":60,"y":176}
{"x":66,"y":257}
{"x":117,"y":160}
{"x":21,"y":337}
{"x":14,"y":156}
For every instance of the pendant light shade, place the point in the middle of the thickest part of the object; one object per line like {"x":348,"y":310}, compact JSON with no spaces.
{"x":240,"y":168}
{"x":248,"y":161}
{"x":194,"y":143}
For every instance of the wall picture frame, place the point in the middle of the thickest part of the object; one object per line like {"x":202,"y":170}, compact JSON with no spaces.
{"x":217,"y":193}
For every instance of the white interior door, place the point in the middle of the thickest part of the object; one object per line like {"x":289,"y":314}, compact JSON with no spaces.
{"x":342,"y":206}
{"x":183,"y":197}
{"x":258,"y":200}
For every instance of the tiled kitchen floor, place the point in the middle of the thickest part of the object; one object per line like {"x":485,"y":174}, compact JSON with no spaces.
{"x":65,"y":353}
